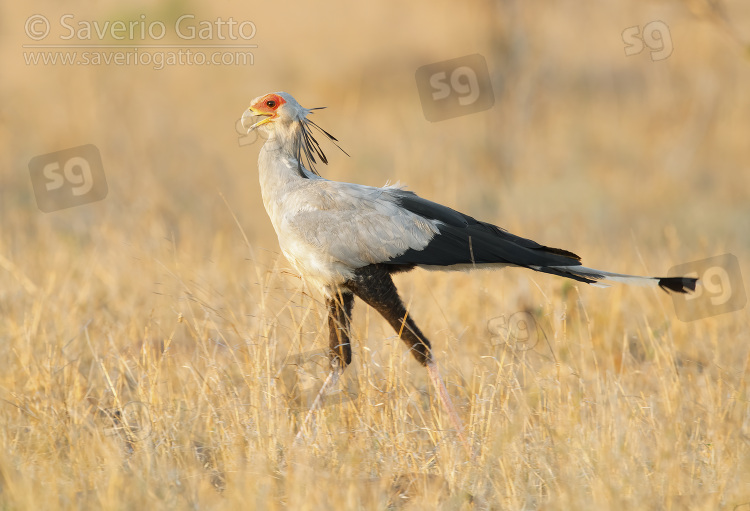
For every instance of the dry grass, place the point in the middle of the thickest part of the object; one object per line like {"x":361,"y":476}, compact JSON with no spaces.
{"x":145,"y":344}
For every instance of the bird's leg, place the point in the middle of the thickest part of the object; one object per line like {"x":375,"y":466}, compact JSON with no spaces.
{"x":445,"y":400}
{"x":330,"y":381}
{"x":339,"y":317}
{"x":374,"y":285}
{"x":340,"y":349}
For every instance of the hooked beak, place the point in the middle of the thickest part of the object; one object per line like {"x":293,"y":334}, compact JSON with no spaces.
{"x":251,"y":113}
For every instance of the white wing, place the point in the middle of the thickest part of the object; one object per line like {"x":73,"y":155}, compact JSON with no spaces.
{"x":355,"y":224}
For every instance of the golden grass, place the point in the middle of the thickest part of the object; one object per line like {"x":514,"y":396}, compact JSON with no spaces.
{"x":145,"y":345}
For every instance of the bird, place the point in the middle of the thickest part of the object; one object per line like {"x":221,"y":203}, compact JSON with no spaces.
{"x":348,"y":239}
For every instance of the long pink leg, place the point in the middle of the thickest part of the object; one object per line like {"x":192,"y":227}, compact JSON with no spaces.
{"x":339,"y":314}
{"x":445,"y":400}
{"x":374,"y":285}
{"x":329,"y":383}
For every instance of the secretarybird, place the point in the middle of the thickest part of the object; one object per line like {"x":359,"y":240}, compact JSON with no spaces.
{"x":348,"y":239}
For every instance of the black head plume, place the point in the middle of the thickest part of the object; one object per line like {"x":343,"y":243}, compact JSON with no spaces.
{"x":308,"y":148}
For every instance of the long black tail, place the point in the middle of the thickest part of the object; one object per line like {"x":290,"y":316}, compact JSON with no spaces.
{"x":669,"y":284}
{"x":464,"y":242}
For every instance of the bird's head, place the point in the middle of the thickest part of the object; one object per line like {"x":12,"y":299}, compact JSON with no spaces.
{"x":285,"y":120}
{"x":277,"y":109}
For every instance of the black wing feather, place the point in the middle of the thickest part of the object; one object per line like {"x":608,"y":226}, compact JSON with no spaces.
{"x":465,"y":240}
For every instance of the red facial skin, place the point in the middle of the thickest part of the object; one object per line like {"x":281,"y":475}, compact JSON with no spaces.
{"x":268,"y":104}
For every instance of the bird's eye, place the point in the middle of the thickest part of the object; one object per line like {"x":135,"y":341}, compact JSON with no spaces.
{"x":270,"y":103}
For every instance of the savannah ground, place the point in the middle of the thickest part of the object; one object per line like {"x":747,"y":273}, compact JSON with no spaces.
{"x":150,"y":341}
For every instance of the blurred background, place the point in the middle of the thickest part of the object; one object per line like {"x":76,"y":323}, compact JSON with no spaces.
{"x":636,"y":161}
{"x":580,"y":133}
